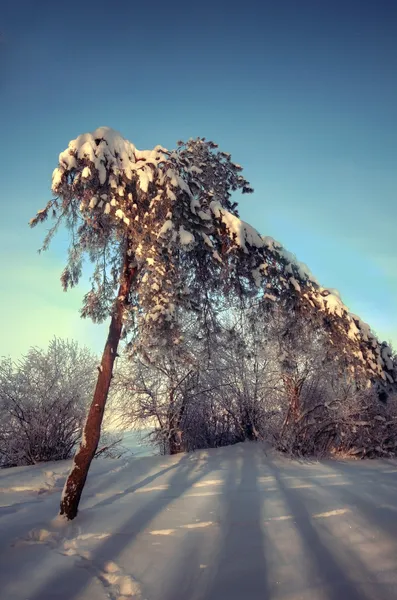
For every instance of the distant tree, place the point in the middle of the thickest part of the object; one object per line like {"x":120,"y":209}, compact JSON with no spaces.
{"x":43,"y":402}
{"x":164,"y":233}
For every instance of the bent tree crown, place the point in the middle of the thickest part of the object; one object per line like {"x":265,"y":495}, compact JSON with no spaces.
{"x":171,"y":213}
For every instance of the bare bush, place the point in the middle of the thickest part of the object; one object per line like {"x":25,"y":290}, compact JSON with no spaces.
{"x":43,"y":402}
{"x":324,"y":409}
{"x":349,"y":423}
{"x":111,"y":445}
{"x":215,"y":391}
{"x":247,"y":377}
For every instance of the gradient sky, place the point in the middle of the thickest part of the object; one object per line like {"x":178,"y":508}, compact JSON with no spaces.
{"x":303,"y":93}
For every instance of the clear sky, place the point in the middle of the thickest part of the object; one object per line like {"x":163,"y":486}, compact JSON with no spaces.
{"x":303,"y":93}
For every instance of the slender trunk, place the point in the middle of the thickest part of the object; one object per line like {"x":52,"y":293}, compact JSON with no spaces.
{"x":175,"y":443}
{"x":174,"y":438}
{"x":293,"y":390}
{"x":92,"y":429}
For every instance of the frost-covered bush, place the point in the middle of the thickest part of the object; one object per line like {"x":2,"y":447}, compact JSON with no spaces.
{"x":111,"y":445}
{"x":43,"y":402}
{"x":241,"y":378}
{"x":323,"y":409}
{"x":341,"y":421}
{"x":217,"y":390}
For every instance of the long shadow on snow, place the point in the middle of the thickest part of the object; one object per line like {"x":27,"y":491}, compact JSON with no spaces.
{"x":114,"y":545}
{"x":328,"y":575}
{"x":104,"y":479}
{"x":366,"y":466}
{"x":11,"y":509}
{"x":135,"y":487}
{"x":365,"y":536}
{"x":365,"y":495}
{"x":368,"y":496}
{"x":240,"y":568}
{"x":183,"y":574}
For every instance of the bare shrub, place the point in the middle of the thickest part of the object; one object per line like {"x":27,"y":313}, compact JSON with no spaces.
{"x":43,"y":402}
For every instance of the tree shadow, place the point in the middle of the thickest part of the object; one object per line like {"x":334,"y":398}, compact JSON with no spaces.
{"x":368,"y":496}
{"x":135,"y":487}
{"x":10,"y":472}
{"x":189,"y":554}
{"x":117,"y":467}
{"x":328,"y":576}
{"x":239,"y":569}
{"x":10,"y":509}
{"x":371,"y":534}
{"x":119,"y":540}
{"x":366,"y":466}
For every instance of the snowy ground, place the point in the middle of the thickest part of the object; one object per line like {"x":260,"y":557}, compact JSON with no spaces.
{"x":137,"y":443}
{"x":233,"y":524}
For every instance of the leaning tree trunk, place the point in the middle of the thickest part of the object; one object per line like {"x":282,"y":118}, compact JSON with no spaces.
{"x":92,"y":429}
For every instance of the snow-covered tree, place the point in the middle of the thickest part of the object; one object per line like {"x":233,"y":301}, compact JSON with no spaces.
{"x":163,"y":232}
{"x":43,"y":402}
{"x":150,"y":222}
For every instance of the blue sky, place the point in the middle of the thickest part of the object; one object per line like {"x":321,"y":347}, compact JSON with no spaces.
{"x":302,"y":93}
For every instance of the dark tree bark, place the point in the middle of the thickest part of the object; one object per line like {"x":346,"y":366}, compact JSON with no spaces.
{"x":175,"y":440}
{"x":175,"y":444}
{"x":92,"y":429}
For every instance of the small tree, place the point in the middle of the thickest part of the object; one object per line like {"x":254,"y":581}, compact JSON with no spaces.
{"x":163,"y":233}
{"x":43,"y":402}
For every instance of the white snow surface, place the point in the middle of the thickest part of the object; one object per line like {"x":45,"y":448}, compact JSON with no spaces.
{"x":236,"y":522}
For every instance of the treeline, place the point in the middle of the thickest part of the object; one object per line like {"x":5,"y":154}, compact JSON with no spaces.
{"x":241,"y":374}
{"x":245,"y":376}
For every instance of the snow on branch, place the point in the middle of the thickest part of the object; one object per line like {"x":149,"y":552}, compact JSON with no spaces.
{"x":354,"y":336}
{"x":295,"y":279}
{"x":242,"y":233}
{"x":172,"y":214}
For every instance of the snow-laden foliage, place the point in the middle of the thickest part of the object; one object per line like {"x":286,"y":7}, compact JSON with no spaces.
{"x":172,"y":214}
{"x":349,"y":336}
{"x":43,"y":401}
{"x":152,"y":205}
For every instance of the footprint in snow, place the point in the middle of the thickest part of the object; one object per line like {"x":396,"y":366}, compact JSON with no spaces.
{"x":119,"y":585}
